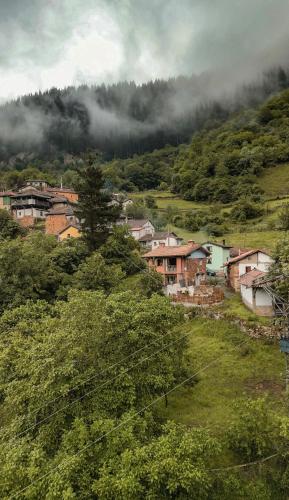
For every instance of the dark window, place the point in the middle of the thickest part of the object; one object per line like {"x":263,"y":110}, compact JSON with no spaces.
{"x":159,"y":262}
{"x":248,"y":269}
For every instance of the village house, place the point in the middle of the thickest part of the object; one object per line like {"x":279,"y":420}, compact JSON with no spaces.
{"x":63,"y":192}
{"x":139,"y":227}
{"x":244,"y":263}
{"x":29,"y":204}
{"x":58,"y":219}
{"x":219,"y":255}
{"x":38,"y":184}
{"x":253,"y":295}
{"x":70,"y":231}
{"x":154,"y":240}
{"x":181,"y":266}
{"x":5,"y":199}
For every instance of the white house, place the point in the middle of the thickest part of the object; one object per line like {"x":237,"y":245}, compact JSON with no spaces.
{"x":154,"y":240}
{"x":140,"y":227}
{"x":244,"y":263}
{"x":254,"y":296}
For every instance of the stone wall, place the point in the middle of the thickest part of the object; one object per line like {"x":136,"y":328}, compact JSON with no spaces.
{"x":204,"y":295}
{"x":26,"y":221}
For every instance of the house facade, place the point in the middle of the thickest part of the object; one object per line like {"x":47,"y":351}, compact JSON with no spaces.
{"x":58,"y":219}
{"x":28,"y":205}
{"x":139,"y":227}
{"x":5,"y":199}
{"x":219,"y":255}
{"x":254,"y":296}
{"x":70,"y":231}
{"x":69,"y":194}
{"x":181,"y":266}
{"x":244,"y":263}
{"x":154,"y":240}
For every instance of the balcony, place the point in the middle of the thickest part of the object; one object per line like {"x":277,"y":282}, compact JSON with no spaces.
{"x":171,"y":269}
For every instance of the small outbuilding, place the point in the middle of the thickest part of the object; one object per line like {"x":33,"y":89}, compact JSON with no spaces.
{"x":253,"y":295}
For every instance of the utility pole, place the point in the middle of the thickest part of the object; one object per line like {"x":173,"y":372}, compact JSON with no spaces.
{"x":281,"y":308}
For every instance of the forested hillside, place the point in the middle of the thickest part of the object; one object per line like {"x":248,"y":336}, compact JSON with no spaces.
{"x":123,"y":119}
{"x":222,"y":163}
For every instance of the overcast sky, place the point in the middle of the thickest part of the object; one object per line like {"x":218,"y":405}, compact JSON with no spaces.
{"x":45,"y":43}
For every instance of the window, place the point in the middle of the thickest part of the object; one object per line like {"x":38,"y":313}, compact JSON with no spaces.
{"x":247,"y":269}
{"x":155,"y":243}
{"x":209,"y":248}
{"x":171,"y":279}
{"x":19,"y":214}
{"x":41,"y":214}
{"x":159,"y":262}
{"x":209,"y":260}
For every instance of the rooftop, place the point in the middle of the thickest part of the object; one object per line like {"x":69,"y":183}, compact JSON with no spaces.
{"x":135,"y":223}
{"x":222,"y":245}
{"x":68,"y":210}
{"x":249,"y":278}
{"x":159,"y":235}
{"x":179,"y":251}
{"x":68,"y":226}
{"x":245,"y":255}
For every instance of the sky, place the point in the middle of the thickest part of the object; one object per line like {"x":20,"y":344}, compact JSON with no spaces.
{"x":57,"y":43}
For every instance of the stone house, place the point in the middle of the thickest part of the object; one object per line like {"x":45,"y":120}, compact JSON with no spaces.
{"x":181,"y":266}
{"x":58,"y":219}
{"x":64,"y":192}
{"x":220,"y":254}
{"x":254,"y":296}
{"x":154,"y":240}
{"x":244,"y":263}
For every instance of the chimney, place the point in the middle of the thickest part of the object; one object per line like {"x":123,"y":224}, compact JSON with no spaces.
{"x":162,"y":244}
{"x":224,"y":242}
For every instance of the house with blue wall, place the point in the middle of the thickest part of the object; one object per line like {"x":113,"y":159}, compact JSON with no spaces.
{"x":219,"y":255}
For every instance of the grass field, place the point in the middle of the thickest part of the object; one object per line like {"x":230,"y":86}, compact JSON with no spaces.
{"x":253,"y":369}
{"x":165,"y":199}
{"x":275,"y":181}
{"x":259,"y":239}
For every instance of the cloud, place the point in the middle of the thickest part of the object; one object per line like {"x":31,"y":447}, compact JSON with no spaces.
{"x":46,"y":43}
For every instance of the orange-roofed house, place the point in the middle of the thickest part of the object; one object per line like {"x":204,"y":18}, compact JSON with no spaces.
{"x":181,"y":266}
{"x":64,"y":192}
{"x":244,"y":263}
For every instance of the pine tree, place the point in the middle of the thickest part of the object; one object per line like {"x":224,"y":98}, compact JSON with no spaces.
{"x":95,"y":210}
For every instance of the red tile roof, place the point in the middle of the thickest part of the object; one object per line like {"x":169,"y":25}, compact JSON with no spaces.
{"x":7,"y":193}
{"x":249,"y":278}
{"x":244,"y":256}
{"x":179,"y":251}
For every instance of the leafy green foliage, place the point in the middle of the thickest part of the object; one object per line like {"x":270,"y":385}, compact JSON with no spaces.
{"x":9,"y":227}
{"x":254,"y":434}
{"x":122,"y":249}
{"x":95,"y":274}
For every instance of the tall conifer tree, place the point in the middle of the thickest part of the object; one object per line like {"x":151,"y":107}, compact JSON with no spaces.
{"x":95,"y":210}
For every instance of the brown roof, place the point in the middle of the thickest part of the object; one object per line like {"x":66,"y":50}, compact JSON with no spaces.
{"x":137,"y":223}
{"x":244,"y":256}
{"x":249,"y":278}
{"x":59,"y":211}
{"x":217,"y":244}
{"x":58,"y":199}
{"x":32,"y":192}
{"x":159,"y":235}
{"x":69,"y":225}
{"x":179,"y":251}
{"x":59,"y":189}
{"x":235,"y":251}
{"x":7,"y":193}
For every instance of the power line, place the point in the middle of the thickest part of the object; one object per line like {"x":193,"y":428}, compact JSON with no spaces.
{"x":121,"y":424}
{"x":98,"y":374}
{"x":99,"y":387}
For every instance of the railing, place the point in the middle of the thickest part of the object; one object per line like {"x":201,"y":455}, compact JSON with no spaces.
{"x":172,"y":269}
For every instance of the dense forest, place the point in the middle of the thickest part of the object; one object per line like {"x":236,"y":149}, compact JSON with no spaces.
{"x":123,"y":119}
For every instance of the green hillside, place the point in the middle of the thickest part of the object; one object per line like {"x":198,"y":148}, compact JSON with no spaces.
{"x":275,"y":181}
